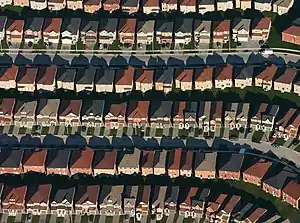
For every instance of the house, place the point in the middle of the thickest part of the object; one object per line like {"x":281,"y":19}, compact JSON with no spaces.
{"x":34,"y":160}
{"x":143,"y":202}
{"x":284,"y":83}
{"x":146,"y":162}
{"x":145,"y":32}
{"x":171,"y":200}
{"x":160,"y":114}
{"x":241,"y":120}
{"x":244,"y":78}
{"x":229,"y":166}
{"x":187,"y":6}
{"x":8,"y":76}
{"x":230,"y":115}
{"x":202,"y":31}
{"x":199,"y":202}
{"x":69,"y":112}
{"x":186,"y":163}
{"x":223,"y":5}
{"x":241,"y":30}
{"x":21,"y":3}
{"x":203,"y":78}
{"x":128,"y":163}
{"x":114,"y":115}
{"x":74,"y":4}
{"x":216,"y":115}
{"x":137,"y":114}
{"x":110,"y":200}
{"x":26,"y":79}
{"x":57,"y":161}
{"x":243,"y":4}
{"x":261,"y":28}
{"x":265,"y":78}
{"x":168,"y":5}
{"x":37,"y":198}
{"x":108,"y":30}
{"x":14,"y":31}
{"x":89,"y":32}
{"x":268,"y":118}
{"x":221,"y":32}
{"x":159,"y":164}
{"x":204,"y":116}
{"x":290,"y":193}
{"x":173,"y":163}
{"x":51,"y":29}
{"x":224,"y":77}
{"x":282,"y":6}
{"x":13,"y":199}
{"x":124,"y":79}
{"x":283,"y":122}
{"x":86,"y":199}
{"x":185,"y":114}
{"x":263,"y":5}
{"x":84,"y":80}
{"x":24,"y":113}
{"x":105,"y":162}
{"x":129,"y":200}
{"x":92,"y":113}
{"x":224,"y":214}
{"x":164,"y":31}
{"x":164,"y":79}
{"x":47,"y":111}
{"x":240,"y":215}
{"x":151,"y":6}
{"x":205,"y":165}
{"x":104,"y":80}
{"x":81,"y":161}
{"x":61,"y":200}
{"x":111,"y":5}
{"x":291,"y":35}
{"x":33,"y":30}
{"x":185,"y":200}
{"x":256,"y":215}
{"x":256,"y":170}
{"x":183,"y":31}
{"x":178,"y":114}
{"x":46,"y":78}
{"x":92,"y":6}
{"x":11,"y":161}
{"x":158,"y":201}
{"x":70,"y":31}
{"x":130,"y":6}
{"x":184,"y":79}
{"x":6,"y":2}
{"x":126,"y":31}
{"x":214,"y":205}
{"x":206,"y":6}
{"x":56,"y":5}
{"x":144,"y":79}
{"x":6,"y":111}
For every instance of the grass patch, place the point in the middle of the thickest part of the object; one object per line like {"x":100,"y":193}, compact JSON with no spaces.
{"x":279,"y":141}
{"x":115,"y":45}
{"x":113,"y":132}
{"x":90,"y":131}
{"x":45,"y":130}
{"x":159,"y":132}
{"x":234,"y":133}
{"x":257,"y":136}
{"x":39,"y":45}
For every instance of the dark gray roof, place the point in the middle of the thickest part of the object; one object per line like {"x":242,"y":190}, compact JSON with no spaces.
{"x":93,"y":107}
{"x":230,"y":162}
{"x":270,"y":113}
{"x":160,"y":109}
{"x":206,"y":2}
{"x":3,"y":20}
{"x":296,"y":22}
{"x":108,"y":24}
{"x":239,"y":215}
{"x":61,"y":194}
{"x":130,"y":3}
{"x":66,"y":74}
{"x":72,"y":25}
{"x":246,"y":72}
{"x":205,"y":161}
{"x":11,"y":158}
{"x":86,"y":76}
{"x":191,"y":109}
{"x":87,"y":25}
{"x":34,"y":24}
{"x":172,"y":194}
{"x":184,"y":25}
{"x":165,"y":75}
{"x":200,"y":197}
{"x":105,"y":76}
{"x":263,"y":1}
{"x":57,"y":158}
{"x":164,"y":26}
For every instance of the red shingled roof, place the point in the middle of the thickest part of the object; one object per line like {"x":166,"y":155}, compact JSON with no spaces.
{"x":8,"y":74}
{"x":256,"y":214}
{"x":185,"y":75}
{"x":86,"y":193}
{"x":52,"y":25}
{"x":70,"y":106}
{"x":224,"y":73}
{"x":147,"y":159}
{"x":7,"y":106}
{"x":174,"y":159}
{"x":186,"y":160}
{"x":124,"y":77}
{"x":15,"y":25}
{"x":264,"y":23}
{"x":13,"y":195}
{"x":105,"y":159}
{"x":27,"y":75}
{"x":268,"y":74}
{"x":214,"y":206}
{"x":288,"y":76}
{"x":127,"y":25}
{"x":205,"y":74}
{"x":188,"y":2}
{"x":223,"y":26}
{"x":34,"y":157}
{"x":192,"y":192}
{"x":37,"y":194}
{"x":46,"y":75}
{"x":259,"y":168}
{"x":292,"y":30}
{"x":178,"y":109}
{"x":151,"y":3}
{"x":231,"y":204}
{"x":138,"y":109}
{"x":145,"y":76}
{"x":118,"y":109}
{"x":82,"y":158}
{"x":292,"y":189}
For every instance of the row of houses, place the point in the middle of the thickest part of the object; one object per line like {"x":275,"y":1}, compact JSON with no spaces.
{"x":154,"y":6}
{"x":131,"y":31}
{"x":274,"y":178}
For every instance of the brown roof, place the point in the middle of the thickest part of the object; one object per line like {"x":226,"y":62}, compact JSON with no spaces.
{"x":263,"y":23}
{"x":188,"y":2}
{"x":259,"y":168}
{"x":7,"y":106}
{"x":169,"y":1}
{"x":213,"y":206}
{"x":37,"y":194}
{"x":262,"y":108}
{"x":178,"y":109}
{"x":144,"y":75}
{"x":287,"y":118}
{"x":27,"y":75}
{"x":191,"y":193}
{"x":138,"y":109}
{"x":111,"y":2}
{"x":268,"y":74}
{"x":124,"y":76}
{"x":52,"y":24}
{"x":223,"y":26}
{"x":296,"y":122}
{"x":151,"y":3}
{"x":256,"y":214}
{"x":82,"y":158}
{"x":231,"y":204}
{"x":144,"y":194}
{"x":219,"y":110}
{"x":205,"y":74}
{"x":174,"y":159}
{"x":92,"y":2}
{"x":224,"y":73}
{"x":70,"y":106}
{"x":105,"y":159}
{"x":34,"y":157}
{"x":12,"y":194}
{"x":15,"y":25}
{"x":292,"y":30}
{"x":147,"y":159}
{"x":86,"y":193}
{"x":288,"y":76}
{"x":292,"y":189}
{"x":8,"y":74}
{"x":184,"y":75}
{"x":127,"y":25}
{"x":118,"y":109}
{"x":186,"y":160}
{"x":46,"y":75}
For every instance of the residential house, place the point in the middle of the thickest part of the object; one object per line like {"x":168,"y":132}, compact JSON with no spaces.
{"x":242,"y":117}
{"x":214,"y":205}
{"x":291,"y":35}
{"x":243,"y":4}
{"x":282,"y":6}
{"x":263,"y":5}
{"x":81,"y":161}
{"x":151,"y":6}
{"x":283,"y":122}
{"x":164,"y":31}
{"x":6,"y":111}
{"x":244,"y":78}
{"x":104,"y":80}
{"x":145,"y":32}
{"x":128,"y":163}
{"x":70,"y":31}
{"x":21,"y":3}
{"x":159,"y":164}
{"x":33,"y":30}
{"x":183,"y":31}
{"x":290,"y":193}
{"x":66,"y":78}
{"x":187,"y":6}
{"x":126,"y":31}
{"x":256,"y":116}
{"x":173,"y":163}
{"x":284,"y":83}
{"x":203,"y":78}
{"x":160,"y":114}
{"x":56,"y":5}
{"x":92,"y":6}
{"x":26,"y":79}
{"x":144,"y":79}
{"x":199,"y":203}
{"x":129,"y":200}
{"x":146,"y":162}
{"x":84,"y":80}
{"x":261,"y":29}
{"x":47,"y":111}
{"x":202,"y":31}
{"x":34,"y":160}
{"x":224,"y":77}
{"x":221,"y":32}
{"x":256,"y":215}
{"x":205,"y":165}
{"x":171,"y":200}
{"x":124,"y":79}
{"x":37,"y":198}
{"x":110,"y":200}
{"x":14,"y":31}
{"x":185,"y":114}
{"x":178,"y":114}
{"x":6,"y":2}
{"x":169,"y":5}
{"x":186,"y":163}
{"x":74,"y":4}
{"x":105,"y":162}
{"x":223,"y":5}
{"x":184,"y":79}
{"x":240,"y":215}
{"x":61,"y":201}
{"x":46,"y":78}
{"x":57,"y":161}
{"x":86,"y":199}
{"x":69,"y":112}
{"x":137,"y":114}
{"x":130,"y":6}
{"x":158,"y":201}
{"x":185,"y":199}
{"x":51,"y":29}
{"x":229,"y":166}
{"x":13,"y":199}
{"x":268,"y":119}
{"x":230,"y":115}
{"x":265,"y":78}
{"x":108,"y":30}
{"x":164,"y":79}
{"x":206,"y":6}
{"x":114,"y":115}
{"x":111,"y":5}
{"x":24,"y":113}
{"x":224,"y":214}
{"x":143,"y":202}
{"x":11,"y":161}
{"x":92,"y":113}
{"x":8,"y":76}
{"x":89,"y":32}
{"x":241,"y":30}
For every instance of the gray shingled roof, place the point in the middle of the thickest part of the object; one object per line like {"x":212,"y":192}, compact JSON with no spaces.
{"x":164,"y":26}
{"x":172,"y":194}
{"x":206,"y":2}
{"x":145,"y":27}
{"x":34,"y":24}
{"x":231,"y":162}
{"x":105,"y":76}
{"x":108,"y":24}
{"x":184,"y":25}
{"x":200,"y":25}
{"x":72,"y":25}
{"x":93,"y":107}
{"x":66,"y":74}
{"x":86,"y":76}
{"x":165,"y":75}
{"x":88,"y":25}
{"x":191,"y":109}
{"x":58,"y":158}
{"x":61,"y":194}
{"x":3,"y":20}
{"x":11,"y":158}
{"x":129,"y":3}
{"x":160,"y":109}
{"x":240,"y":23}
{"x":205,"y":161}
{"x":246,"y":72}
